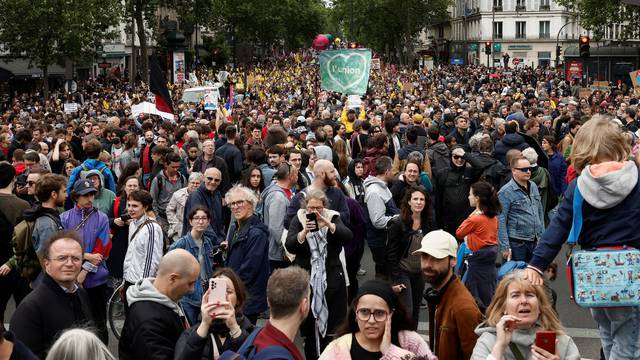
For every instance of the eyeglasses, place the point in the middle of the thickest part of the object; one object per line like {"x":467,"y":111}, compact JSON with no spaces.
{"x":238,"y":203}
{"x":524,"y":169}
{"x":200,"y":218}
{"x":64,"y":258}
{"x":211,"y":178}
{"x":365,"y":315}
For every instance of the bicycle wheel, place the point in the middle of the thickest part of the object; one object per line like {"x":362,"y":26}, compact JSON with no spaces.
{"x":115,"y":311}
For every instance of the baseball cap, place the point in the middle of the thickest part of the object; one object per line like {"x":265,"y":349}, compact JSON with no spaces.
{"x":84,"y":187}
{"x":438,"y":244}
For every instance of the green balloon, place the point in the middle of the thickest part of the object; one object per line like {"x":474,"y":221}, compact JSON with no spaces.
{"x":329,"y":36}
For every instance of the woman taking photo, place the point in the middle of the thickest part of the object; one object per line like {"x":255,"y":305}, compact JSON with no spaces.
{"x":201,"y":246}
{"x":119,"y":222}
{"x":480,"y":231}
{"x":223,"y":326}
{"x":518,"y":310}
{"x":317,"y":236}
{"x":403,"y":238}
{"x":377,"y":327}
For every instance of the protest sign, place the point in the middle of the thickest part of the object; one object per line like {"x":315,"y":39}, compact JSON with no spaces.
{"x":211,"y":100}
{"x":345,"y":71}
{"x":70,"y":108}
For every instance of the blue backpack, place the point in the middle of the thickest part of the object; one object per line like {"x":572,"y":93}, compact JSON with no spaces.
{"x":248,"y":351}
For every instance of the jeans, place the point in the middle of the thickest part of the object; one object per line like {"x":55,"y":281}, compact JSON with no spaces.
{"x":522,"y":250}
{"x":411,"y":296}
{"x":619,"y":331}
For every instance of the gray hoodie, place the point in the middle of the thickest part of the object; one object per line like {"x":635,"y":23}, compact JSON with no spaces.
{"x":608,"y":190}
{"x":275,"y":208}
{"x":376,"y":195}
{"x":105,"y":197}
{"x":144,"y":290}
{"x":524,"y":339}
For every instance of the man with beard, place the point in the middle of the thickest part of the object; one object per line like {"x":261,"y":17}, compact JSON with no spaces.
{"x":453,"y":313}
{"x":325,"y":177}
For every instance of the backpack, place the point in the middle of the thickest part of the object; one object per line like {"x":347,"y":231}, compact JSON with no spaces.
{"x":496,"y":174}
{"x":28,"y":264}
{"x":85,"y":170}
{"x":182,"y":179}
{"x":248,"y":351}
{"x":263,"y":196}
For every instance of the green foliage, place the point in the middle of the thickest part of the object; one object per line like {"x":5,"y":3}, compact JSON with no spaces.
{"x":45,"y":31}
{"x":597,"y":15}
{"x":266,"y":22}
{"x":388,"y":25}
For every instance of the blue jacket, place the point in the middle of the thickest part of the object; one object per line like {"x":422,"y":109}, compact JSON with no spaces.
{"x":615,"y":226}
{"x":92,"y":164}
{"x":248,"y":256}
{"x":557,"y":170}
{"x":522,"y":217}
{"x":212,"y":201}
{"x":404,"y":152}
{"x":508,"y":142}
{"x":206,"y":266}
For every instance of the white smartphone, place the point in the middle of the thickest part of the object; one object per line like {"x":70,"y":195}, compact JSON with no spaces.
{"x":218,"y":290}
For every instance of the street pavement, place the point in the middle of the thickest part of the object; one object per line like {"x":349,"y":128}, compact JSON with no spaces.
{"x":577,"y":321}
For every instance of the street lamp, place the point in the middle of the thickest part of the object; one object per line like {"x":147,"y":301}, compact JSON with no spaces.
{"x":558,"y":39}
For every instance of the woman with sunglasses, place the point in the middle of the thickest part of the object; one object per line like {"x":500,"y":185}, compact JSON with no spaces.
{"x":377,"y":327}
{"x":202,"y":246}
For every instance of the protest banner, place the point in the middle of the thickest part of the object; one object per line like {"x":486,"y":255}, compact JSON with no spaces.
{"x":345,"y":71}
{"x":70,"y":108}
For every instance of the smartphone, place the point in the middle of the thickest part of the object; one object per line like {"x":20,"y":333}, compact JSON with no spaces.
{"x":218,"y":290}
{"x":125,"y":217}
{"x":546,"y":340}
{"x":314,"y":218}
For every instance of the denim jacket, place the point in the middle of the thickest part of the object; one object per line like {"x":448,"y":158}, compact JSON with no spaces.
{"x":206,"y":267}
{"x":522,"y":217}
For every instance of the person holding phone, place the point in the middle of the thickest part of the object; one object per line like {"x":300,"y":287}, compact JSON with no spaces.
{"x":119,"y":222}
{"x":202,"y":245}
{"x":317,"y":236}
{"x":223,"y":326}
{"x":521,"y":324}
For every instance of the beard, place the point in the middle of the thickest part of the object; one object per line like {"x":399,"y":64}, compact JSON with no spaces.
{"x":328,"y":182}
{"x":437,"y":279}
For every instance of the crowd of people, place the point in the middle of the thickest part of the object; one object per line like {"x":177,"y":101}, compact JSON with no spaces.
{"x":440,"y":173}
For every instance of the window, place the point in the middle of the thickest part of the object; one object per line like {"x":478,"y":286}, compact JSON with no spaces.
{"x":544,"y":29}
{"x":497,"y":29}
{"x":544,"y":5}
{"x":521,"y":5}
{"x":497,"y":5}
{"x":521,"y":29}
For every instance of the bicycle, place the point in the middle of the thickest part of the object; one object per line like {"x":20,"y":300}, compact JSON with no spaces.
{"x":115,"y":310}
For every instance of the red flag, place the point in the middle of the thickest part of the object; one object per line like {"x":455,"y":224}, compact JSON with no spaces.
{"x":158,"y":87}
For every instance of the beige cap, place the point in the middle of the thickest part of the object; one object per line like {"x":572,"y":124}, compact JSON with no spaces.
{"x":438,"y":244}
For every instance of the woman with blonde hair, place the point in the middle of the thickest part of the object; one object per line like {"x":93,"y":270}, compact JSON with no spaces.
{"x":519,"y":310}
{"x":79,"y":344}
{"x":608,"y":184}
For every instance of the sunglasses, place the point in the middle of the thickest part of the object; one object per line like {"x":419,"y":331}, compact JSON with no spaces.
{"x":458,"y":157}
{"x":210,"y":178}
{"x":524,"y":169}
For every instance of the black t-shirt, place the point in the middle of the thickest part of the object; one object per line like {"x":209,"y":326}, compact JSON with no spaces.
{"x":358,"y":352}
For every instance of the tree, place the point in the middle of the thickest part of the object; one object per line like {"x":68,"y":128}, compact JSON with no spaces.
{"x":598,"y":15}
{"x":389,"y":26}
{"x":47,"y":31}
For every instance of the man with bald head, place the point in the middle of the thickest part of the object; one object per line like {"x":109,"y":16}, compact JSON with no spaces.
{"x":208,"y":160}
{"x":208,"y":195}
{"x":155,"y":321}
{"x":325,"y":179}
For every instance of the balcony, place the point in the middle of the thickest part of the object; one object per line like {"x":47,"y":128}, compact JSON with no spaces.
{"x":497,"y":8}
{"x":545,"y":7}
{"x":544,"y":36}
{"x":521,"y":8}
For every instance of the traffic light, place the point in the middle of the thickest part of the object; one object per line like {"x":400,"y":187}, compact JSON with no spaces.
{"x":584,"y":46}
{"x":558,"y":52}
{"x":487,"y":47}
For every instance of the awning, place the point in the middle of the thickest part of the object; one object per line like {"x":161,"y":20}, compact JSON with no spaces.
{"x":20,"y":69}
